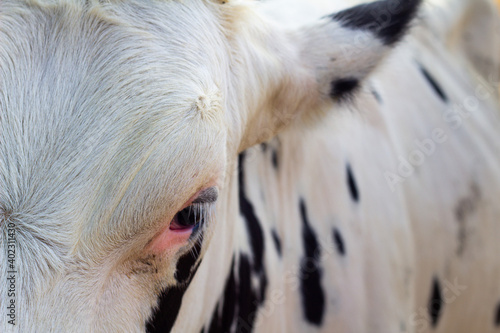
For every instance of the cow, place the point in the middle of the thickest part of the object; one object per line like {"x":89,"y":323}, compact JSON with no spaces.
{"x":219,"y":166}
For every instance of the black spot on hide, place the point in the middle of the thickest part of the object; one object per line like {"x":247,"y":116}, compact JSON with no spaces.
{"x":497,"y":316}
{"x":252,"y":223}
{"x":170,"y":302}
{"x":274,"y":159}
{"x":238,"y":307}
{"x":433,"y":83}
{"x":339,"y":242}
{"x":342,"y":89}
{"x":313,"y":297}
{"x":435,"y":303}
{"x":351,"y":183}
{"x":186,"y":263}
{"x":277,"y":242}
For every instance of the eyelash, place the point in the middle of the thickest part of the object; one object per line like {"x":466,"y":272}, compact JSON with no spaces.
{"x":194,"y":215}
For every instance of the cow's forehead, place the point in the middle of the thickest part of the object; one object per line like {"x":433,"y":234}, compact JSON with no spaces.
{"x":90,"y":99}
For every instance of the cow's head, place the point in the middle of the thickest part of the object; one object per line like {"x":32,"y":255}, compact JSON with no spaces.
{"x":120,"y":124}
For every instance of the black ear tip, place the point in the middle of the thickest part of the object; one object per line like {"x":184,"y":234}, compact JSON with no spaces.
{"x":388,"y":19}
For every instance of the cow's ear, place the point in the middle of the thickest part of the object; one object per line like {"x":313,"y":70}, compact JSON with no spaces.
{"x":323,"y":63}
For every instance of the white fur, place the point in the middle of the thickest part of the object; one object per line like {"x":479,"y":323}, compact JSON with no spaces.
{"x":113,"y":114}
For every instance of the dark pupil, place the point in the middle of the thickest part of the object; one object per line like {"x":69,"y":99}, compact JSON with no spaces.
{"x":186,"y":217}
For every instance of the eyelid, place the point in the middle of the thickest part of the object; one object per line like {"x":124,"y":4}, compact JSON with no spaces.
{"x":209,"y":195}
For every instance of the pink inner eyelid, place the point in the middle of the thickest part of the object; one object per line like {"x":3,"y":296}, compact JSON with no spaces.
{"x":187,"y":204}
{"x":168,"y":238}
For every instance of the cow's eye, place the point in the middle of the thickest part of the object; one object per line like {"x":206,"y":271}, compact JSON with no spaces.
{"x":190,"y":216}
{"x":197,"y":213}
